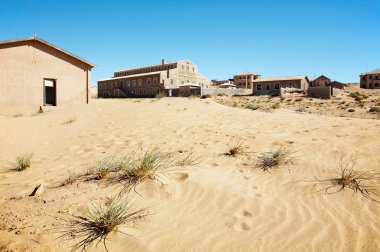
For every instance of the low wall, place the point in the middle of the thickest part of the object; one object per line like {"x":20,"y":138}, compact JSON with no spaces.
{"x":226,"y":91}
{"x":319,"y":92}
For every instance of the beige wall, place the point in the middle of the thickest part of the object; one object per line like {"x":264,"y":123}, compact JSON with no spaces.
{"x":23,"y":67}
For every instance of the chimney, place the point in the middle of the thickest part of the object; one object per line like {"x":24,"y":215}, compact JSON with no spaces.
{"x":163,"y":62}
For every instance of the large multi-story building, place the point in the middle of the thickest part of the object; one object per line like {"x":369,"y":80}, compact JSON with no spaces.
{"x":273,"y":85}
{"x":245,"y":80}
{"x":151,"y":80}
{"x":370,"y":79}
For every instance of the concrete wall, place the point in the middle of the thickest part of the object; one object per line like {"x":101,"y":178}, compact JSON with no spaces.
{"x":319,"y":92}
{"x":227,"y":91}
{"x":23,"y":67}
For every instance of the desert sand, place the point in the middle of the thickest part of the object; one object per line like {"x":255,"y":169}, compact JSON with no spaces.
{"x":221,"y":204}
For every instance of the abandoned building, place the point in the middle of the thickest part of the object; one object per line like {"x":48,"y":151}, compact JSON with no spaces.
{"x":275,"y":84}
{"x":34,"y":72}
{"x":149,"y":81}
{"x":245,"y":80}
{"x":370,"y":80}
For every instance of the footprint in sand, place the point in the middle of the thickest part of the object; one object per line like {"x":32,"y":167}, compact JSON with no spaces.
{"x":181,"y":176}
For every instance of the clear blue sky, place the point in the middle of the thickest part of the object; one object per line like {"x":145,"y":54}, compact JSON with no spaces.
{"x":338,"y":38}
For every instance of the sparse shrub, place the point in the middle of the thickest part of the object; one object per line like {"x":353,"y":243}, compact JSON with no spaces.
{"x":374,"y":110}
{"x":301,"y":109}
{"x":351,"y":110}
{"x":298,"y":99}
{"x":345,"y":176}
{"x":274,"y":159}
{"x":252,"y":106}
{"x":99,"y":221}
{"x":276,"y":105}
{"x":205,"y":96}
{"x":23,"y":161}
{"x":160,"y":95}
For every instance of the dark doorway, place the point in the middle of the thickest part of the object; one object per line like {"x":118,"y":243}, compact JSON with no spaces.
{"x":50,"y":92}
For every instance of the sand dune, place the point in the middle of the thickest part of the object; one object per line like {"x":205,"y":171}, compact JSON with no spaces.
{"x":220,"y":204}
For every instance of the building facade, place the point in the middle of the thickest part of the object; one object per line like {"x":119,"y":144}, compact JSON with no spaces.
{"x":273,"y":85}
{"x":245,"y":80}
{"x":34,"y":72}
{"x":151,"y":80}
{"x":370,"y":80}
{"x":321,"y":81}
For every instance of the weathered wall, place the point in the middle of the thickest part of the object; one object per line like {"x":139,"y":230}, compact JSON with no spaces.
{"x":319,"y":92}
{"x":23,"y":68}
{"x":227,"y":91}
{"x":268,"y":87}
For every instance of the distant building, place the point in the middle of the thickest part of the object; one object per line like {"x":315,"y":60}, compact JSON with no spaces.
{"x":220,"y":82}
{"x":321,"y":81}
{"x":273,"y":85}
{"x":337,"y":84}
{"x":34,"y":72}
{"x":151,"y":80}
{"x":245,"y":80}
{"x":371,"y":79}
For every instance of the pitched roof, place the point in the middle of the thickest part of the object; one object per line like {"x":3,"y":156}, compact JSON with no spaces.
{"x":4,"y":42}
{"x":376,"y":71}
{"x":322,"y":76}
{"x":296,"y":77}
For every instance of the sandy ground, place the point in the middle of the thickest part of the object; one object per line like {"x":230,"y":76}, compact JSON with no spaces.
{"x":343,"y":105}
{"x":224,"y":204}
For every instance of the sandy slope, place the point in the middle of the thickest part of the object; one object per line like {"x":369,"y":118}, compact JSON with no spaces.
{"x":223,"y":204}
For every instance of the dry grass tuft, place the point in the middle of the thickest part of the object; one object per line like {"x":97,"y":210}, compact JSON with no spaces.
{"x":23,"y":161}
{"x":235,"y":150}
{"x":71,"y":179}
{"x":346,"y":176}
{"x":188,"y":160}
{"x":100,"y":220}
{"x":274,"y":159}
{"x":147,"y":165}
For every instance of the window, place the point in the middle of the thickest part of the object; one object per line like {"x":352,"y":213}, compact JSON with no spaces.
{"x":370,"y":77}
{"x":258,"y":86}
{"x":148,"y":81}
{"x":267,"y":86}
{"x":128,"y":83}
{"x":155,"y":81}
{"x":363,"y":77}
{"x":133,"y":83}
{"x":291,"y":84}
{"x":193,"y":69}
{"x":139,"y":82}
{"x":376,"y":77}
{"x":171,"y":81}
{"x":277,"y":86}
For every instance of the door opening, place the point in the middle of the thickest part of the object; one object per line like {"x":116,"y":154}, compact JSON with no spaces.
{"x":50,"y":92}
